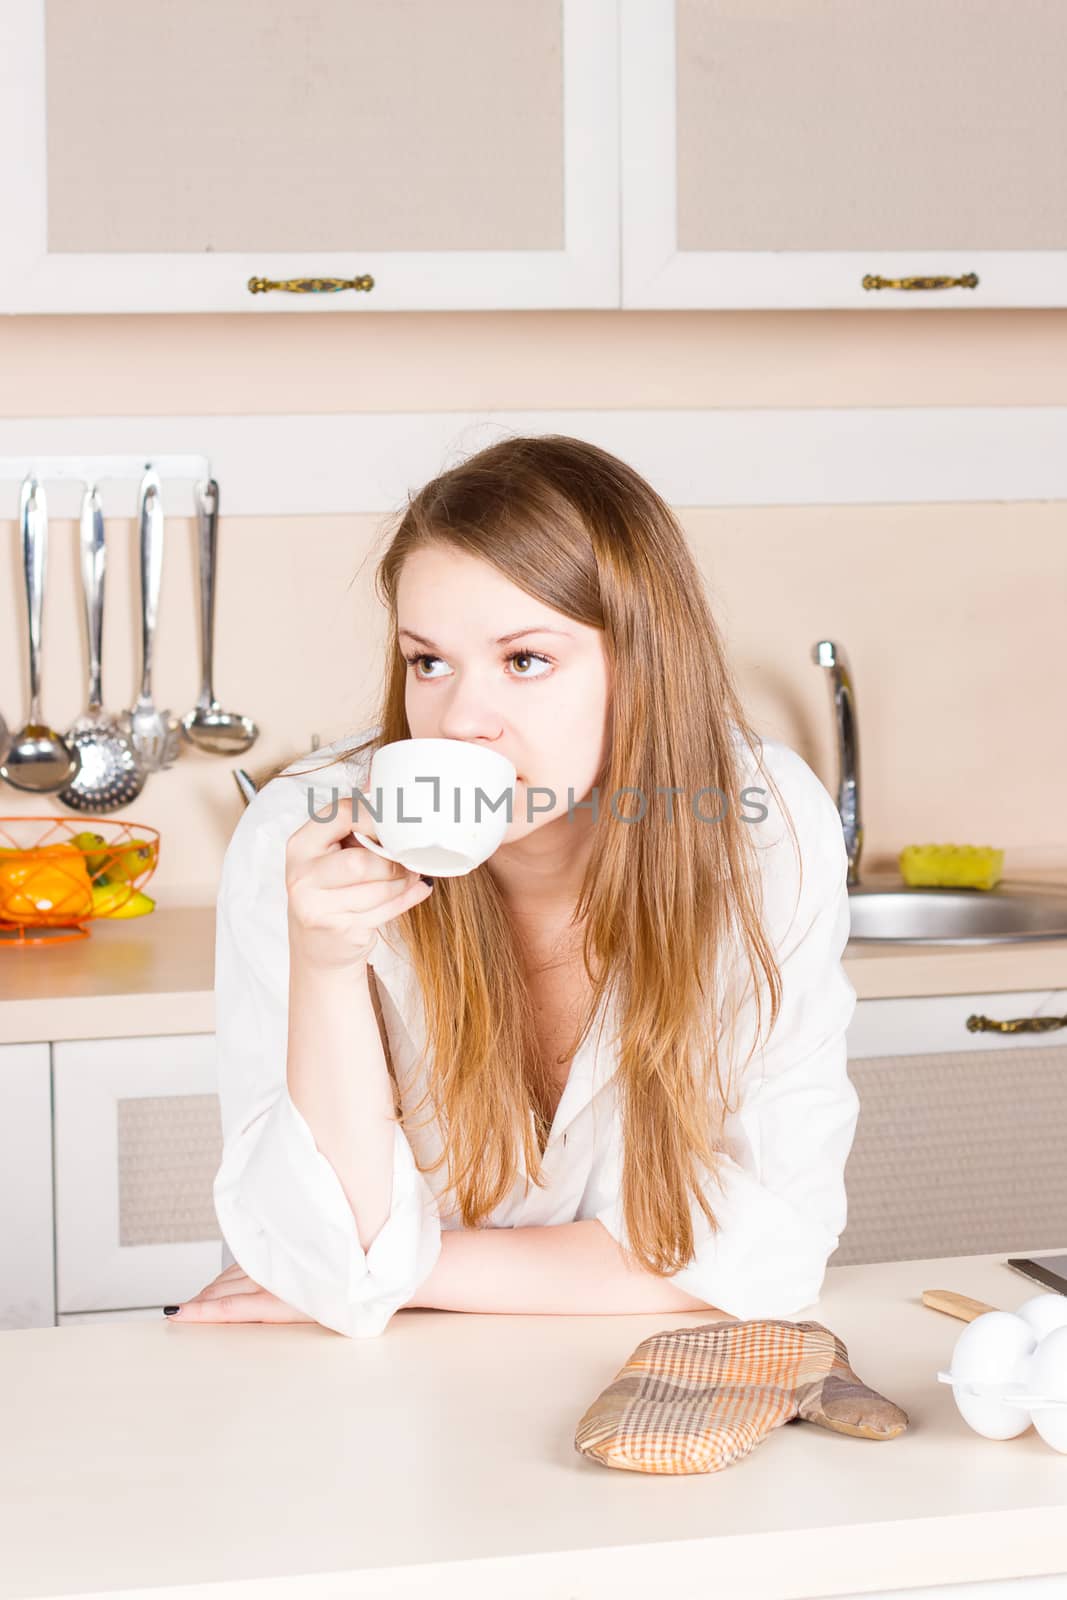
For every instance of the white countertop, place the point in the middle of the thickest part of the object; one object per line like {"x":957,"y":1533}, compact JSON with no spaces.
{"x":153,"y":1458}
{"x":155,"y":975}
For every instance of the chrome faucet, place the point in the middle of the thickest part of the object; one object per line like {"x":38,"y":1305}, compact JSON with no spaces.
{"x":827,"y":653}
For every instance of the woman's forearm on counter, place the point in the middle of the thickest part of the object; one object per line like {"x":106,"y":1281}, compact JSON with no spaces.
{"x":573,"y":1269}
{"x":339,"y":1082}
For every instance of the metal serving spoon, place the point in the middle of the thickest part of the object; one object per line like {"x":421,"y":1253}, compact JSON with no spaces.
{"x":111,"y":775}
{"x":154,"y":734}
{"x":207,"y":726}
{"x":38,"y":760}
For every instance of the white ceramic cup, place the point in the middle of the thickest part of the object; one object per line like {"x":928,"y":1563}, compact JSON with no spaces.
{"x":433,"y":818}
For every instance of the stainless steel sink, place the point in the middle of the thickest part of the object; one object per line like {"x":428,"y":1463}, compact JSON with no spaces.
{"x":1003,"y":915}
{"x":884,"y":909}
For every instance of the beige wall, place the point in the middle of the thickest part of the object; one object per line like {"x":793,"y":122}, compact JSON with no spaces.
{"x":952,"y":615}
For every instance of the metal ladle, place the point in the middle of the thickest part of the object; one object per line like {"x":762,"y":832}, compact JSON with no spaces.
{"x":111,"y":775}
{"x":39,"y":761}
{"x":207,"y":726}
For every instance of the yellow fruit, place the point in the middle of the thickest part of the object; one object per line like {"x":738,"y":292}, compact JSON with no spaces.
{"x":119,"y":900}
{"x":96,"y":854}
{"x":130,"y":860}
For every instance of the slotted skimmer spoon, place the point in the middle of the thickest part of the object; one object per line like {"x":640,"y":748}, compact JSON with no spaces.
{"x":110,"y":775}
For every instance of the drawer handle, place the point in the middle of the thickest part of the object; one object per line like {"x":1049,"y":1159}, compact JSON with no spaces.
{"x":1015,"y":1024}
{"x":968,"y":281}
{"x":311,"y":285}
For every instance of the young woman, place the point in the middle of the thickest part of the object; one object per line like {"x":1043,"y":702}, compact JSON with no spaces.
{"x":416,"y":1108}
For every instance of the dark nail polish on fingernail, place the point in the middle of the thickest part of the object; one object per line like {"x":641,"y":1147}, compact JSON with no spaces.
{"x":426,"y":880}
{"x":168,"y":1311}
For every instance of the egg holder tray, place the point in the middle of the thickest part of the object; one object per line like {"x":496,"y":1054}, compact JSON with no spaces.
{"x":1014,"y":1394}
{"x":1008,"y":1372}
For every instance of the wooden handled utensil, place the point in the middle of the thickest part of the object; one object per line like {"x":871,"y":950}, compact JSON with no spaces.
{"x":955,"y":1305}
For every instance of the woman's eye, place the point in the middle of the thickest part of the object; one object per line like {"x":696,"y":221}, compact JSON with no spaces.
{"x":516,"y":655}
{"x":416,"y":660}
{"x":529,"y":655}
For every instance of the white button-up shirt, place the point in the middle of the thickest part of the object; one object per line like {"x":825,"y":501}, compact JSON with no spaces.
{"x":781,"y":1206}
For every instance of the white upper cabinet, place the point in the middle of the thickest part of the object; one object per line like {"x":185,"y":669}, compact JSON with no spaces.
{"x":782,"y":154}
{"x":418,"y":155}
{"x":459,"y":156}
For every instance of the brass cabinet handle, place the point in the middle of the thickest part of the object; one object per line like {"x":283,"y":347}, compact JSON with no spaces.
{"x":1015,"y":1024}
{"x":311,"y":285}
{"x":968,"y":281}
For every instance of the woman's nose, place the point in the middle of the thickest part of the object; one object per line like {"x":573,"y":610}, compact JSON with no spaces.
{"x":468,"y":714}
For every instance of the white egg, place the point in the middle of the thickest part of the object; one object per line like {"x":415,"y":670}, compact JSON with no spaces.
{"x":1044,"y":1312}
{"x":1048,"y":1377}
{"x":993,"y":1419}
{"x":993,"y":1349}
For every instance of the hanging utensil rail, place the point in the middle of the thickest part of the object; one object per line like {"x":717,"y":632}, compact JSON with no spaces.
{"x":124,"y":471}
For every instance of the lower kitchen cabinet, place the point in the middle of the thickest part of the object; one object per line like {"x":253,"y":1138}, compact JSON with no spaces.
{"x":109,"y":1150}
{"x":137,"y":1145}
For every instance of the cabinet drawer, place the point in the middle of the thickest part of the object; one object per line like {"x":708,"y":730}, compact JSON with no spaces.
{"x":138,"y":1141}
{"x":914,"y":1026}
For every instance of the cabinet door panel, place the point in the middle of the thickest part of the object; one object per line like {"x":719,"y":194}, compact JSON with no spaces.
{"x":776,"y":155}
{"x":353,"y":124}
{"x":956,"y":1154}
{"x":159,"y":158}
{"x":959,"y":1147}
{"x":138,"y":1141}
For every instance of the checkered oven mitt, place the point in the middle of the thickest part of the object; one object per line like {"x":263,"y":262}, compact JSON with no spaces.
{"x":697,"y":1399}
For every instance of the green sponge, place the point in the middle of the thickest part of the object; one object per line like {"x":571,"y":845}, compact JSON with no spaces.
{"x":960,"y":866}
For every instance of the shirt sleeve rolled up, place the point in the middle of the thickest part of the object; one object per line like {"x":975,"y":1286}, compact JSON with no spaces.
{"x":280,"y":1204}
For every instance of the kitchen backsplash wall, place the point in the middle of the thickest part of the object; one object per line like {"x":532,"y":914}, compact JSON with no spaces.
{"x":952,"y":615}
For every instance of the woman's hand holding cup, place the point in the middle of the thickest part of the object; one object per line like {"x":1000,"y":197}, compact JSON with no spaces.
{"x":339,"y":893}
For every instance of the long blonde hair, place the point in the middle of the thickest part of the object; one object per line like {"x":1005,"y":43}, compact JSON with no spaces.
{"x":671,"y":909}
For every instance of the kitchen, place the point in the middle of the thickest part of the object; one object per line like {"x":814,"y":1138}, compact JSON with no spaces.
{"x":877,"y":469}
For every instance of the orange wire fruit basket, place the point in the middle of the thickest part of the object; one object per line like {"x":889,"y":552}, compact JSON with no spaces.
{"x":58,"y":874}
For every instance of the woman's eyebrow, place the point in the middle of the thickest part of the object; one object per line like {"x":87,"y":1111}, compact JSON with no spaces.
{"x":506,"y":639}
